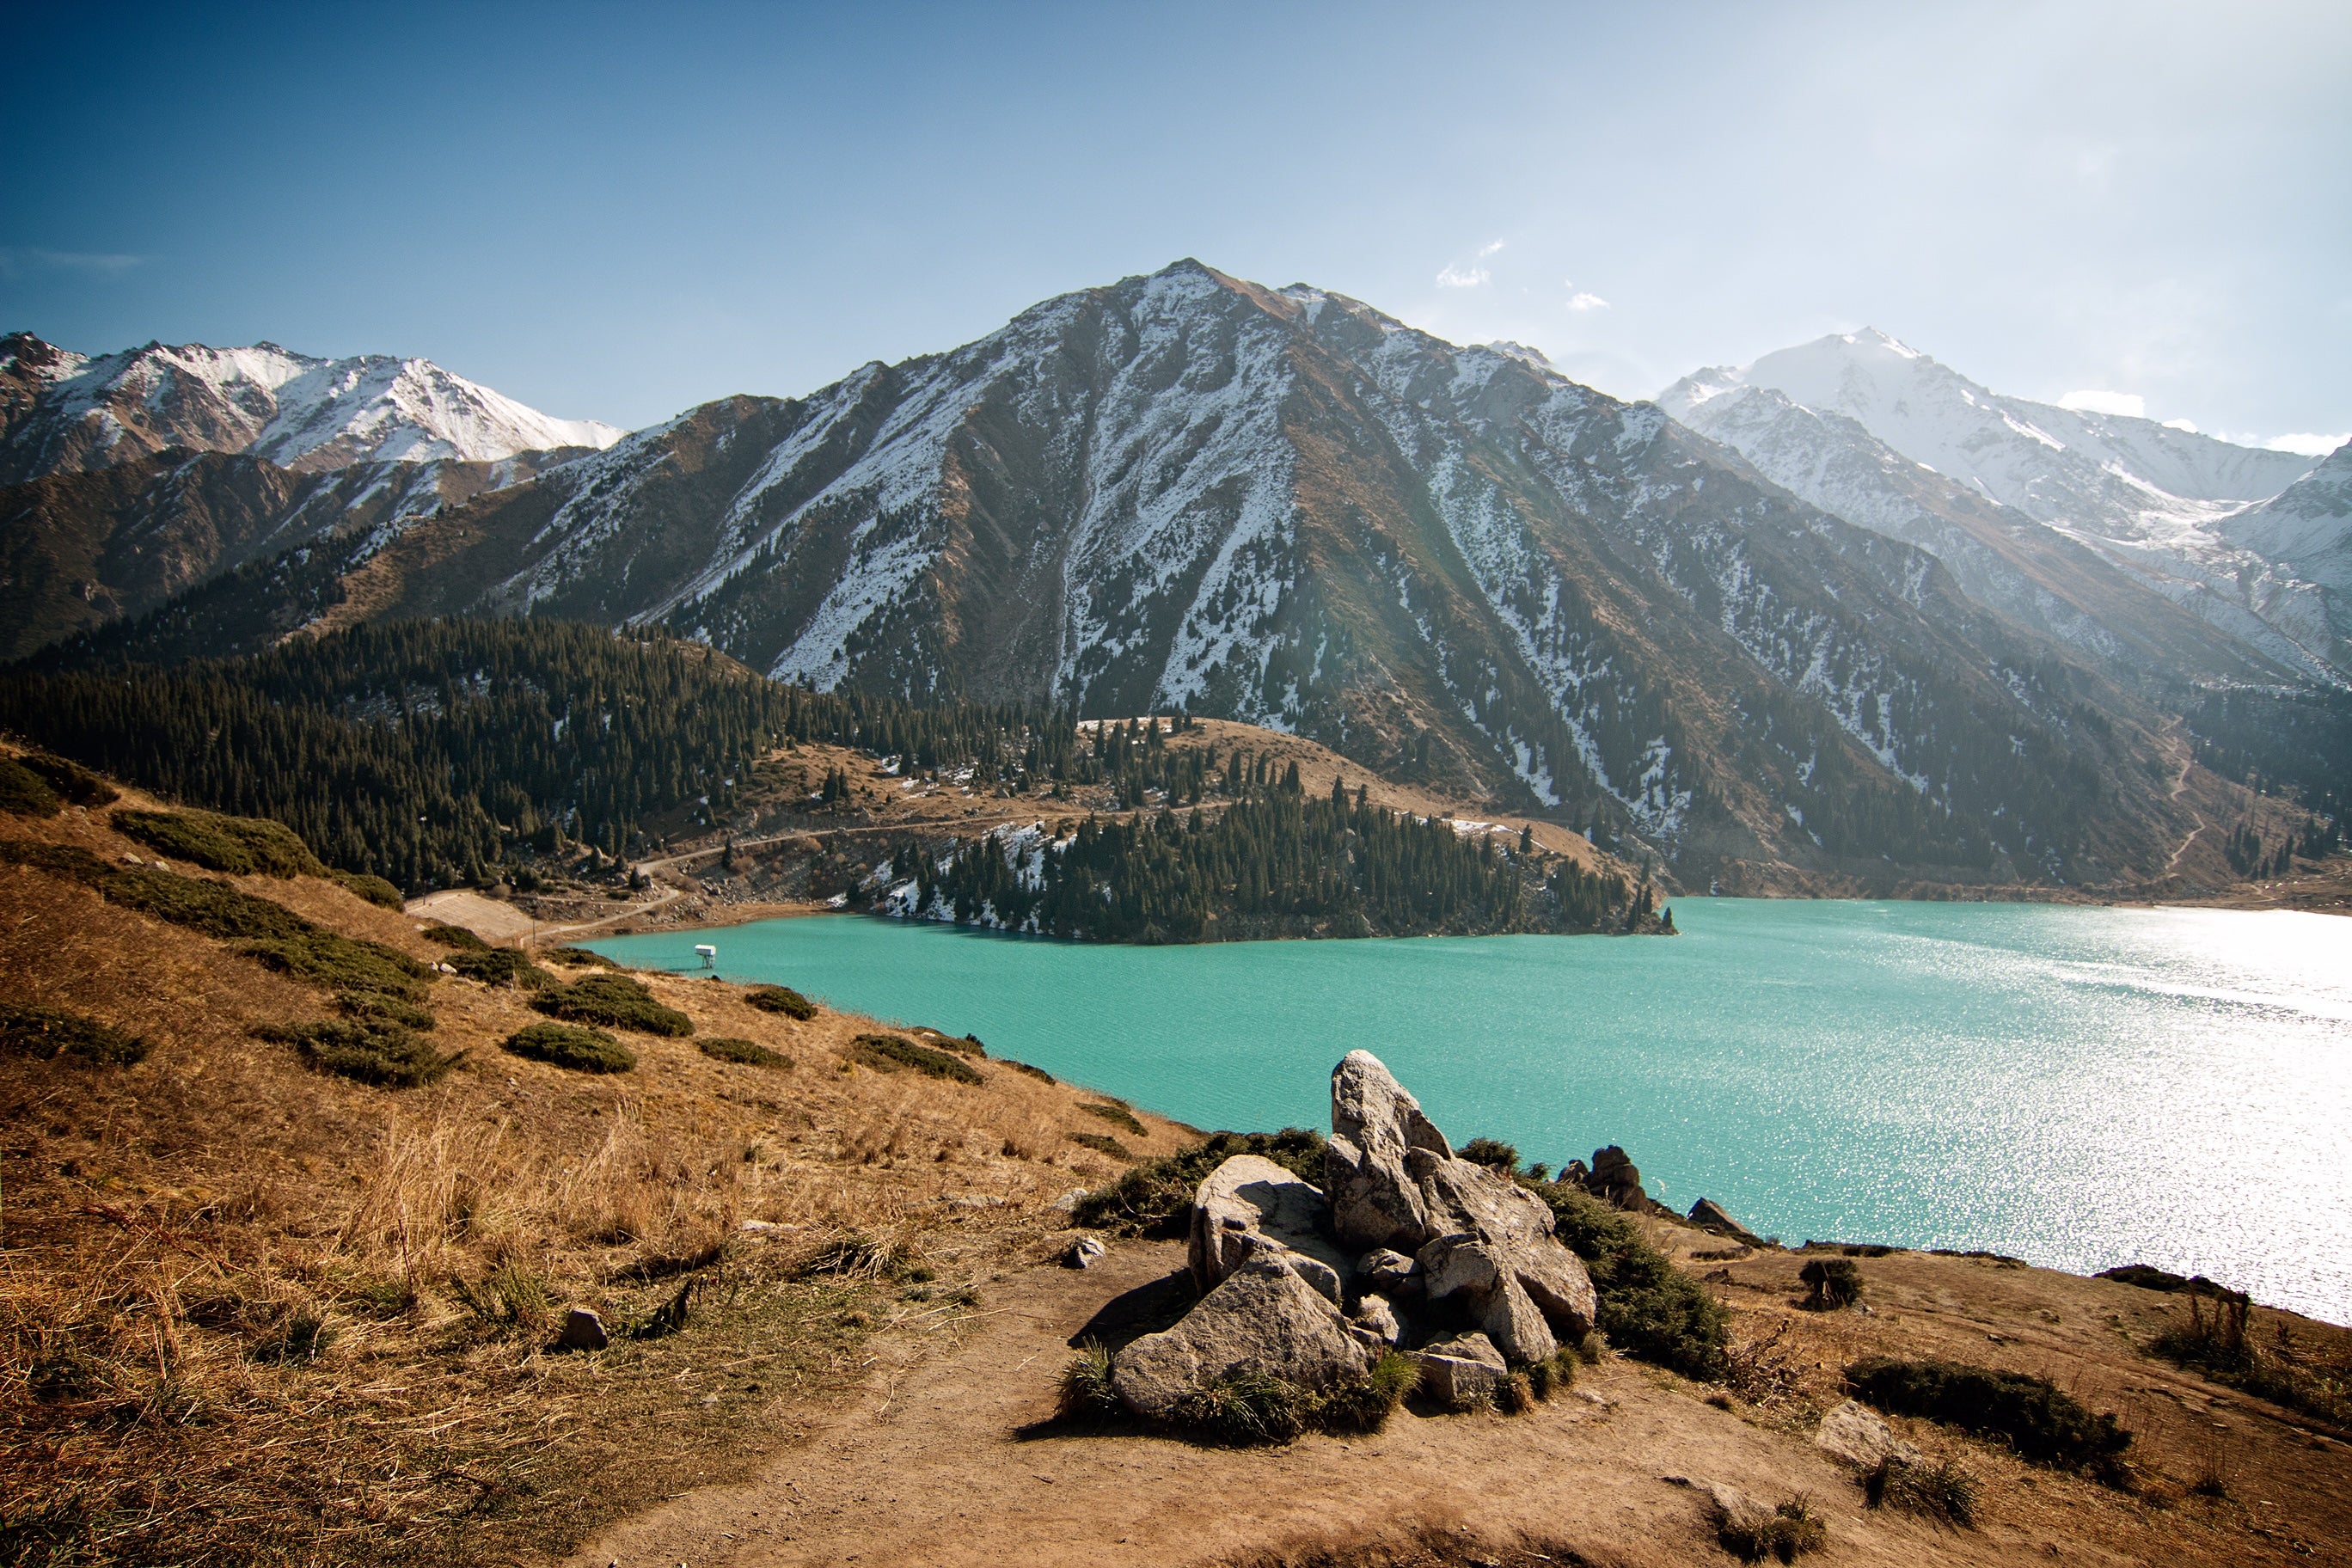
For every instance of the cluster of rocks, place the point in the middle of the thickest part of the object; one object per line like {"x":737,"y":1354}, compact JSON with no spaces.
{"x":1405,"y":1247}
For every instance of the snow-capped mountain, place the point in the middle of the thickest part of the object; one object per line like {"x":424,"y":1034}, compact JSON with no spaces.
{"x":65,"y":413}
{"x":2150,"y":497}
{"x":1285,"y":506}
{"x":2307,"y":530}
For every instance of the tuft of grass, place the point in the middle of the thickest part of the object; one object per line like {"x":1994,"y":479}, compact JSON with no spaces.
{"x":508,"y":1300}
{"x":1155,"y":1198}
{"x":240,"y":846}
{"x":782,"y":999}
{"x":893,"y":1053}
{"x":48,"y":1032}
{"x":2035,"y":1417}
{"x":727,"y":1048}
{"x":1244,"y":1410}
{"x":456,"y":937}
{"x":614,"y":1000}
{"x":388,"y":1054}
{"x":1556,"y":1373}
{"x":1117,"y":1115}
{"x":856,"y":1256}
{"x":1835,"y":1283}
{"x":1516,"y":1395}
{"x":500,"y":966}
{"x":374,"y":889}
{"x":2217,"y":1343}
{"x":1083,"y":1394}
{"x":72,"y":783}
{"x":1943,"y":1489}
{"x":1364,"y":1406}
{"x":1104,"y":1143}
{"x":1792,"y":1531}
{"x":23,"y":792}
{"x":570,"y":1045}
{"x":305,"y":1336}
{"x":1647,"y":1308}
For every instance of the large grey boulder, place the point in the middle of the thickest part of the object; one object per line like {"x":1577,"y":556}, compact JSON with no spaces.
{"x":1500,"y":1304}
{"x":1395,"y":1183}
{"x":1250,"y":1205}
{"x":1858,"y":1434}
{"x":1264,"y":1318}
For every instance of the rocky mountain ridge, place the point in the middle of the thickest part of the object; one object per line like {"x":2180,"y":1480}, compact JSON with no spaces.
{"x":1283,"y":507}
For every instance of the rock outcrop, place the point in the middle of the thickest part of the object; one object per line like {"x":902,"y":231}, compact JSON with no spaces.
{"x":1710,"y":1215}
{"x":1249,"y":1205}
{"x":1263,"y":1320}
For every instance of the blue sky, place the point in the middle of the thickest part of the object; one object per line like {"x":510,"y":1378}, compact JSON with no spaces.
{"x":615,"y":213}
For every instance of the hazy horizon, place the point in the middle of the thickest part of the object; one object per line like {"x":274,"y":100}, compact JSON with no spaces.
{"x":611,"y":218}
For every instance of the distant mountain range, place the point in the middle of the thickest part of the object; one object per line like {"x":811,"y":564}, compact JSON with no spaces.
{"x":1762,"y":644}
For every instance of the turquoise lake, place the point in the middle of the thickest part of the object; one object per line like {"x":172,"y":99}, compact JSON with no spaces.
{"x":2077,"y":1086}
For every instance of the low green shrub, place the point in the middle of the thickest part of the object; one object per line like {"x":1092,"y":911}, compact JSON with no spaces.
{"x":961,"y":1045}
{"x":570,"y":1045}
{"x":1556,"y":1373}
{"x":375,"y":1007}
{"x":1943,"y":1489}
{"x":1244,"y":1410}
{"x":456,"y":937}
{"x":893,"y":1053}
{"x":579,"y":958}
{"x":74,"y":783}
{"x":388,"y":1054}
{"x":46,"y":1032}
{"x":1647,"y":1308}
{"x":374,"y":889}
{"x":781,"y":999}
{"x":1155,"y":1198}
{"x":1104,"y":1143}
{"x":1834,"y":1282}
{"x":23,"y":792}
{"x":336,"y":963}
{"x":1364,"y":1405}
{"x":2035,"y":1417}
{"x":748,"y":1053}
{"x":1117,"y":1115}
{"x":615,"y":1002}
{"x":500,"y":966}
{"x":1040,"y":1074}
{"x":1792,"y":1529}
{"x":240,"y":846}
{"x":1502,"y":1157}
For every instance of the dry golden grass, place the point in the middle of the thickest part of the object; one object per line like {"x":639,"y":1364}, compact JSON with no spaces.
{"x":253,"y":1313}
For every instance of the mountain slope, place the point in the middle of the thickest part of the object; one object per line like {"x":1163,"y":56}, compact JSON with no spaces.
{"x":1286,"y":508}
{"x":2307,"y":529}
{"x":2150,"y":497}
{"x":64,"y":413}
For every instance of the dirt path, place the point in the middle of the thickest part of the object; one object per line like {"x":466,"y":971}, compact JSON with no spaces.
{"x":930,"y":1468}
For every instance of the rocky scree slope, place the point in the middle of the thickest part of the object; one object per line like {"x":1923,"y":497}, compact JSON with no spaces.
{"x":2155,"y":500}
{"x":1286,"y":508}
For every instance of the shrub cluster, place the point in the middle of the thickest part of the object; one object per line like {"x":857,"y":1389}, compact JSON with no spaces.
{"x":570,"y":1045}
{"x":270,"y":931}
{"x":1647,"y":1308}
{"x":1155,"y":1198}
{"x":47,"y":1032}
{"x":1942,"y":1489}
{"x":371,"y":1050}
{"x":579,"y":958}
{"x":2039,"y":1420}
{"x":1104,"y":1143}
{"x":374,"y":889}
{"x":892,"y":1053}
{"x":373,"y":1006}
{"x":726,"y":1048}
{"x":2217,"y":1344}
{"x":240,"y":846}
{"x":23,"y":792}
{"x":456,"y":937}
{"x":614,"y":1000}
{"x":500,"y":966}
{"x":72,"y":783}
{"x":1834,"y":1282}
{"x":1117,"y":1115}
{"x":961,"y":1045}
{"x":1790,"y":1531}
{"x":782,"y":999}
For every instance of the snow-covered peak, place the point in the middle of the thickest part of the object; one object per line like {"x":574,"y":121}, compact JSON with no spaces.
{"x":74,"y":413}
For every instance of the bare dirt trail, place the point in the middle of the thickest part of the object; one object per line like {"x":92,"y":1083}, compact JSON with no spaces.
{"x":930,"y":1469}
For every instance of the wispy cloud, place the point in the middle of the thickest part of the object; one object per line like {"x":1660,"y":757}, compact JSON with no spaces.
{"x":1581,"y":301}
{"x":1488,"y":249}
{"x":1452,"y":277}
{"x":27,"y":260}
{"x":2090,"y":401}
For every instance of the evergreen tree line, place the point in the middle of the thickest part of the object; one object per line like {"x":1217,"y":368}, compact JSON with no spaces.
{"x":2296,"y":743}
{"x":1275,"y":859}
{"x":427,"y":752}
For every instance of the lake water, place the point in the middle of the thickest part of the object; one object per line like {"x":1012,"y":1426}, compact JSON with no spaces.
{"x":2077,"y":1086}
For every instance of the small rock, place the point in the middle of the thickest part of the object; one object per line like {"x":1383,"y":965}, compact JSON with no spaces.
{"x":1068,"y":1201}
{"x":582,"y":1330}
{"x":1854,"y":1433}
{"x":1388,"y":1272}
{"x":1460,"y":1370}
{"x":1376,"y":1317}
{"x":1083,"y":1252}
